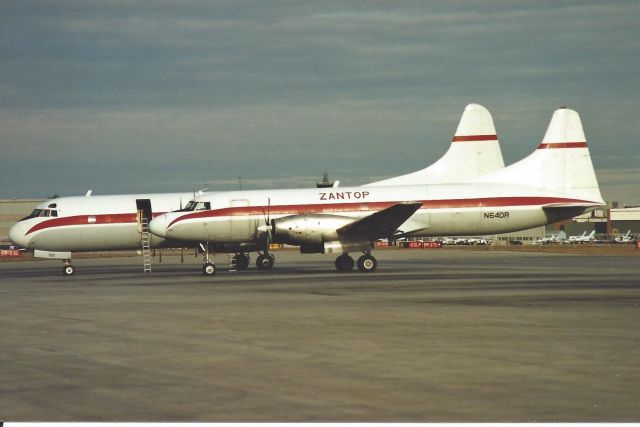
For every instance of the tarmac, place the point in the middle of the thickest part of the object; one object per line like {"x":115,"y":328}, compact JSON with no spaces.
{"x":433,"y":335}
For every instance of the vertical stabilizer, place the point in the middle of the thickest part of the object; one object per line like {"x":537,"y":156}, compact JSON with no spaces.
{"x":561,"y":163}
{"x":474,"y":151}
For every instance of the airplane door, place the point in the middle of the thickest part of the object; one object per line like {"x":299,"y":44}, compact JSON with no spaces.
{"x":143,"y":207}
{"x":241,"y":226}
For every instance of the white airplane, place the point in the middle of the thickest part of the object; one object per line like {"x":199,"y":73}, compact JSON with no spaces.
{"x":547,"y":240}
{"x":478,"y":241}
{"x":626,"y":238}
{"x":63,"y":225}
{"x":60,"y":226}
{"x":584,"y":238}
{"x":573,"y":239}
{"x":554,"y":238}
{"x":557,"y":181}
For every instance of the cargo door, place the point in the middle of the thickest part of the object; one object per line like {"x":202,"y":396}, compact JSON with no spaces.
{"x":241,"y":226}
{"x":144,"y":213}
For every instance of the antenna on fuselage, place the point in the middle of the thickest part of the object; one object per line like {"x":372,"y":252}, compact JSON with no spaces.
{"x":88,"y":193}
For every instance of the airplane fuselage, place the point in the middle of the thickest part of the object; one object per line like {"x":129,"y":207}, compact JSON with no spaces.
{"x":95,"y":223}
{"x":447,"y":209}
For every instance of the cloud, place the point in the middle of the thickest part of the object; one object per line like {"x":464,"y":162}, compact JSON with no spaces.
{"x":200,"y":90}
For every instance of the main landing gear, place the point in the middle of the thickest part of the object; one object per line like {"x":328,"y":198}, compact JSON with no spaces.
{"x":366,"y":263}
{"x":241,"y":261}
{"x":265,"y":261}
{"x":68,"y":269}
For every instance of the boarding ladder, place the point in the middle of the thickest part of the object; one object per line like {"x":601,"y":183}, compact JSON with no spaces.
{"x":145,"y":242}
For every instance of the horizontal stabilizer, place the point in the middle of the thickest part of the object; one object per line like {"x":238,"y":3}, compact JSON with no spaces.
{"x":558,"y":211}
{"x":380,"y":224}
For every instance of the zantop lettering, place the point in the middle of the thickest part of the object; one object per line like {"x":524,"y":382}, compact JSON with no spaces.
{"x":344,"y":195}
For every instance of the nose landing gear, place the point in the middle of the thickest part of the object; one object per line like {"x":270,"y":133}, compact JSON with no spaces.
{"x":208,"y":267}
{"x":68,"y":269}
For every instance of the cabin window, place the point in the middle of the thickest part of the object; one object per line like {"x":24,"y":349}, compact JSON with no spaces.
{"x":191,"y":206}
{"x":91,"y":220}
{"x":203,"y":206}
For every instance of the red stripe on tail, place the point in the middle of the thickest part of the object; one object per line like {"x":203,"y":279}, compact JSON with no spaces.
{"x":467,"y":138}
{"x":563,"y":145}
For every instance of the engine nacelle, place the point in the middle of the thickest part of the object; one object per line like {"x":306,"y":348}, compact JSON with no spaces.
{"x":308,"y":230}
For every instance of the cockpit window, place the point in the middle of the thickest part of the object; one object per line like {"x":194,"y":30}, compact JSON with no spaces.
{"x":40,"y":213}
{"x":34,"y":214}
{"x":197,"y":206}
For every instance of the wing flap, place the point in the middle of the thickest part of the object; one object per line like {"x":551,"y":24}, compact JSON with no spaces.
{"x":380,"y":224}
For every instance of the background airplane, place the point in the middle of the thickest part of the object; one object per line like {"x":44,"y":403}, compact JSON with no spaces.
{"x":572,"y":239}
{"x":554,"y":238}
{"x":557,"y":181}
{"x":60,"y":226}
{"x":584,"y":238}
{"x":626,"y":238}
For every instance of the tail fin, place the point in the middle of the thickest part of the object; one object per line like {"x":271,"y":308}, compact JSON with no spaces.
{"x":474,"y":151}
{"x":561,"y":163}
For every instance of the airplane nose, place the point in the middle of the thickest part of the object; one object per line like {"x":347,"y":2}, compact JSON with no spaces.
{"x":17,"y":234}
{"x":158,"y":226}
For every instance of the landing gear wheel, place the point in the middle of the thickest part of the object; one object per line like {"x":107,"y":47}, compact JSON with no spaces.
{"x":265,"y":262}
{"x":242,"y":261}
{"x":367,"y":264}
{"x":68,"y":270}
{"x":208,"y":269}
{"x":344,"y":263}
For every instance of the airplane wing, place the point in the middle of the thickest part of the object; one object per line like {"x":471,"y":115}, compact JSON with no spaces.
{"x":380,"y":224}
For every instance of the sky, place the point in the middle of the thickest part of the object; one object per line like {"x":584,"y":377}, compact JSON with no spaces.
{"x":162,"y":96}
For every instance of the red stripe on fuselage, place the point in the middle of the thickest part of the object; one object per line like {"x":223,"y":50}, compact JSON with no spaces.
{"x":65,"y":221}
{"x":470,"y":138}
{"x":562,"y":145}
{"x":488,"y":202}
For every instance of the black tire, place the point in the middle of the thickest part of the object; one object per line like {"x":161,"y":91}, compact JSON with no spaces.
{"x":242,"y":261}
{"x":344,"y":263}
{"x":68,"y":270}
{"x":265,"y":262}
{"x":208,"y":269}
{"x":367,"y":264}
